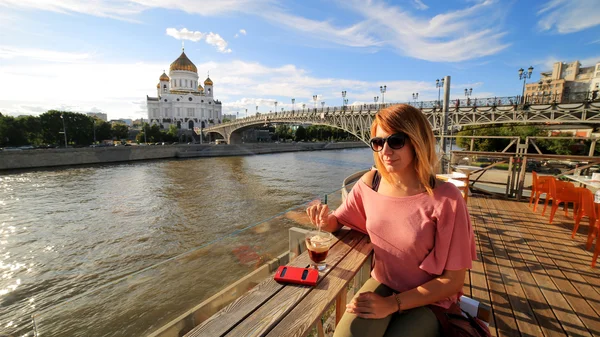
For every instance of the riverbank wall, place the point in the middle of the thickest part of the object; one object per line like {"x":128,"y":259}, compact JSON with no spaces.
{"x":28,"y":159}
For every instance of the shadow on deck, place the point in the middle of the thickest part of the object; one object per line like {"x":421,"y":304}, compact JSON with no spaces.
{"x":537,"y":279}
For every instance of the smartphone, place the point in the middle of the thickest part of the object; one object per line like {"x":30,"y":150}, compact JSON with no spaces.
{"x":304,"y":276}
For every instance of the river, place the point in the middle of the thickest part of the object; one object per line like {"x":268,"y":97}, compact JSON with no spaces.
{"x":66,"y":232}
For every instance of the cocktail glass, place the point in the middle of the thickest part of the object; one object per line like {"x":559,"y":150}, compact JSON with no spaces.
{"x":318,"y":244}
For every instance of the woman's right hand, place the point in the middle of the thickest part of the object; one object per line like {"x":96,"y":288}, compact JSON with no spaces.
{"x":318,"y":214}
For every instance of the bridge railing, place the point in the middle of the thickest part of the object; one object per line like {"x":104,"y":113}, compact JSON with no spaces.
{"x":550,"y":98}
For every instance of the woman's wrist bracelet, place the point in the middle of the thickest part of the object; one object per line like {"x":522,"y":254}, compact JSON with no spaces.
{"x":398,"y":301}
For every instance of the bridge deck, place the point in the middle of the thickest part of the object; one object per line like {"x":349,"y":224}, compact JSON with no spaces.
{"x":537,"y":279}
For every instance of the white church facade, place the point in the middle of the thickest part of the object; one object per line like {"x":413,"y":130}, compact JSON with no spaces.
{"x":181,"y":100}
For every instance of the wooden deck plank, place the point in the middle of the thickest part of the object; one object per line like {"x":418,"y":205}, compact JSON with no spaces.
{"x":485,"y":273}
{"x":569,"y":321}
{"x":305,"y":314}
{"x":277,"y":307}
{"x":227,"y":318}
{"x":515,"y":313}
{"x":520,"y":252}
{"x":522,"y":310}
{"x":543,"y":316}
{"x":572,"y":286}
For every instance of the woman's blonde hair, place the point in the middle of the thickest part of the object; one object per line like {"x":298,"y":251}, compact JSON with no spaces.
{"x":409,"y":120}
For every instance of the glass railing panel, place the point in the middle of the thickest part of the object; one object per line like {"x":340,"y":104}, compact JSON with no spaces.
{"x":147,"y":301}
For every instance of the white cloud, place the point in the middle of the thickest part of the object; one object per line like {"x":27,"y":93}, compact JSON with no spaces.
{"x":453,"y":36}
{"x":90,"y":85}
{"x":9,"y":52}
{"x":569,"y":16}
{"x":450,"y":37}
{"x":185,"y":34}
{"x":420,"y":5}
{"x":129,"y":9}
{"x":104,"y":8}
{"x":241,"y":31}
{"x":211,"y":38}
{"x":217,"y":41}
{"x":353,"y":36}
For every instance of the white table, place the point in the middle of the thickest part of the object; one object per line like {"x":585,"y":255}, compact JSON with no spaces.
{"x":466,"y":168}
{"x":586,"y":180}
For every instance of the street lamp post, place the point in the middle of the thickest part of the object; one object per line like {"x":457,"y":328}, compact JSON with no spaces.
{"x":468,"y":93}
{"x":315,"y":101}
{"x":275,"y":106}
{"x":257,"y":110}
{"x":415,"y":97}
{"x":383,"y":89}
{"x":94,"y":128}
{"x":303,"y":106}
{"x":64,"y":129}
{"x":293,"y":104}
{"x":246,"y":114}
{"x":439,"y":84}
{"x":375,"y":99}
{"x":524,"y":76}
{"x":344,"y":100}
{"x":322,"y":106}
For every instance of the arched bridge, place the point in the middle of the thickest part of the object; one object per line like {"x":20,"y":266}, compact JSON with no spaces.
{"x":357,"y":119}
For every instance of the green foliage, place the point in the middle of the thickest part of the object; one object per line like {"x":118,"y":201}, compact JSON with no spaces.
{"x":300,"y":133}
{"x":155,"y":134}
{"x":119,"y":131}
{"x":103,"y":130}
{"x":11,"y":133}
{"x":495,"y":144}
{"x":283,"y":131}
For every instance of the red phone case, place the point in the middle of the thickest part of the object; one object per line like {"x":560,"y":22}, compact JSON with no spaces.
{"x":304,"y":276}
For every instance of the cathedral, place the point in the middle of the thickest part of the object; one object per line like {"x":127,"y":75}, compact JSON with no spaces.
{"x":181,"y":100}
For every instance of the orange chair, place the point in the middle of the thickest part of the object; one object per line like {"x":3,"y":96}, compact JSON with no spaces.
{"x":597,"y":249}
{"x":587,"y":208}
{"x":561,"y":192}
{"x":559,"y":186}
{"x":539,"y":186}
{"x":594,"y":230}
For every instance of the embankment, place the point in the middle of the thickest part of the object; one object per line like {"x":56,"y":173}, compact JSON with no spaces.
{"x":12,"y":160}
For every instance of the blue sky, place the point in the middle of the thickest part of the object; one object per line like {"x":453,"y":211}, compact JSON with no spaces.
{"x":107,"y":55}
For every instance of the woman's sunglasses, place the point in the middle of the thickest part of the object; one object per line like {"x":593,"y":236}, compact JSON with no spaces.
{"x":395,"y":141}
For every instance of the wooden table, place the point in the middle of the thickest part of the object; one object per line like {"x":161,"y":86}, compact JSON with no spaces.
{"x":274,"y":309}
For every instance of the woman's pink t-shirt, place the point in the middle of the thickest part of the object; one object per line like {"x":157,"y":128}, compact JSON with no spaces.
{"x":415,"y":238}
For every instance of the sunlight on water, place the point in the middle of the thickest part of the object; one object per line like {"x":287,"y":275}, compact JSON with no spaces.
{"x":65,"y":232}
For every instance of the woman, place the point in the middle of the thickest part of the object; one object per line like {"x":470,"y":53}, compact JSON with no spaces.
{"x":419,"y":226}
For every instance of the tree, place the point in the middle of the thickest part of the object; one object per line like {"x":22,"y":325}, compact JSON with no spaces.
{"x":79,"y":127}
{"x":32,"y":127}
{"x":120,"y":131}
{"x":103,"y":130}
{"x":300,"y":133}
{"x":11,"y":132}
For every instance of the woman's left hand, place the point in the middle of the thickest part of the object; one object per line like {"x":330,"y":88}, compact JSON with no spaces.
{"x":373,"y":306}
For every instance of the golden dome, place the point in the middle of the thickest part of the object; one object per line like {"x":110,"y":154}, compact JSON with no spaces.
{"x":183,"y":63}
{"x":208,"y":81}
{"x":200,"y":88}
{"x":164,"y":77}
{"x":157,"y":85}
